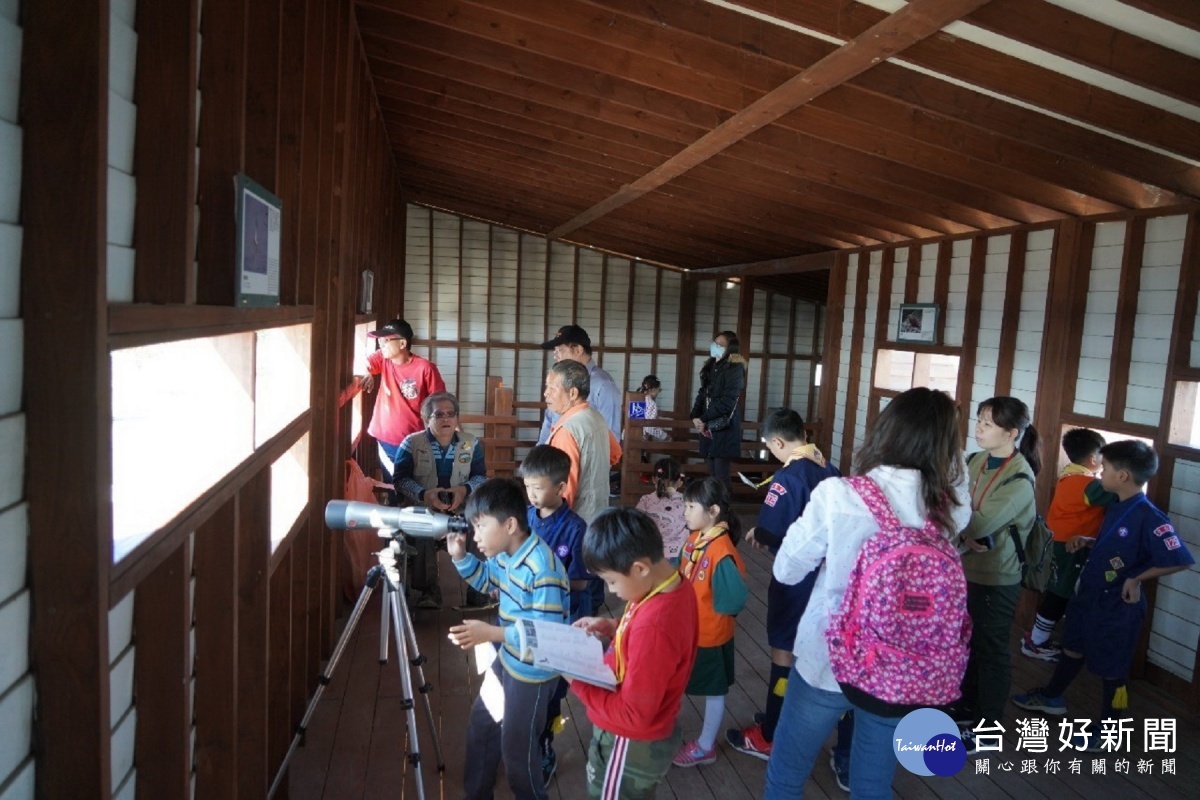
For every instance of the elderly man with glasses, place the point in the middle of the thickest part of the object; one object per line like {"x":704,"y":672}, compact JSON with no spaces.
{"x":437,"y":468}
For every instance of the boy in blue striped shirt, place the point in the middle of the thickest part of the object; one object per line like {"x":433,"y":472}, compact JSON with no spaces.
{"x":532,"y":584}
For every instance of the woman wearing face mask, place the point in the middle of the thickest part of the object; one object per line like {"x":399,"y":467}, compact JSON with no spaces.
{"x":715,"y":412}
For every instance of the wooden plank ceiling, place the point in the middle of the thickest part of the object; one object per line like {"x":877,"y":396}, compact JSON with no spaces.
{"x":704,"y":133}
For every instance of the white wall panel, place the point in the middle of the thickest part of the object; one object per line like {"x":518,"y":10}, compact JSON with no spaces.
{"x":1173,"y":633}
{"x":759,"y":315}
{"x":1161,"y":259}
{"x":838,"y":439}
{"x":616,"y":303}
{"x":445,"y":263}
{"x":418,"y":303}
{"x":899,"y":281}
{"x":727,"y":317}
{"x":929,"y":255}
{"x":669,"y":304}
{"x":10,"y":69}
{"x":502,"y":298}
{"x":645,"y":303}
{"x":588,"y":290}
{"x":474,"y":281}
{"x":532,"y":326}
{"x":666,"y":374}
{"x":705,"y":313}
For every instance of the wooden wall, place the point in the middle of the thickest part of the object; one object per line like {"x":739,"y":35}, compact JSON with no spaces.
{"x":1090,"y":323}
{"x":182,"y":666}
{"x":482,"y":298}
{"x":16,"y":683}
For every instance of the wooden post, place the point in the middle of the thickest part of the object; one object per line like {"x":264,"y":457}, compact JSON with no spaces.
{"x":64,"y":86}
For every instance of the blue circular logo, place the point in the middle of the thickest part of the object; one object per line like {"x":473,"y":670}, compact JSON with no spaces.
{"x":927,"y":743}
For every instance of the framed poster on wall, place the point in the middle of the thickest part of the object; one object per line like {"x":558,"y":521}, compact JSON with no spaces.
{"x":918,"y":323}
{"x":259,"y":214}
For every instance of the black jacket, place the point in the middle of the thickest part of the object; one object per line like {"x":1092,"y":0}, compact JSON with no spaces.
{"x":721,"y":385}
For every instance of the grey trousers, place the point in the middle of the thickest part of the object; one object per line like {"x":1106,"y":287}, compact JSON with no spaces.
{"x":514,"y":737}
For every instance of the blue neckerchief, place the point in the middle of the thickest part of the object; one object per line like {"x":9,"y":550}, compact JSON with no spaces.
{"x":1105,"y":531}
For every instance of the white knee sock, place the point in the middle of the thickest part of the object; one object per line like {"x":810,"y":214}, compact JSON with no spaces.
{"x":714,"y":712}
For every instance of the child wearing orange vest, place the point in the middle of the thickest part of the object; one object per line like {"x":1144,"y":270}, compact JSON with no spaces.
{"x":711,"y":564}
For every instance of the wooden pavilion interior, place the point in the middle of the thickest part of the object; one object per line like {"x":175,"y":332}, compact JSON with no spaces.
{"x":1024,"y":173}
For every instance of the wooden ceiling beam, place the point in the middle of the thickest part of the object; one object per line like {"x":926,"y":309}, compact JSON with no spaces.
{"x":775,"y":232}
{"x":813,"y":262}
{"x":787,"y":155}
{"x":686,"y":253}
{"x":912,"y":23}
{"x":1086,"y":41}
{"x":688,"y":230}
{"x":418,"y":34}
{"x":1032,"y":199}
{"x":765,"y":181}
{"x":1181,"y":12}
{"x":741,"y":192}
{"x":889,"y":83}
{"x":1075,"y":174}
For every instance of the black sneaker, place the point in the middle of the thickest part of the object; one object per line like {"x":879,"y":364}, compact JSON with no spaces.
{"x":549,"y":763}
{"x":967,"y":734}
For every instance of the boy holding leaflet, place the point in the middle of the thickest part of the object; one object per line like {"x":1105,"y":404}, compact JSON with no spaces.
{"x":532,"y":584}
{"x":634,"y":733}
{"x":544,"y":472}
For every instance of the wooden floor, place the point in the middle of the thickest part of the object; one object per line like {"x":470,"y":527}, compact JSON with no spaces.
{"x":356,"y":743}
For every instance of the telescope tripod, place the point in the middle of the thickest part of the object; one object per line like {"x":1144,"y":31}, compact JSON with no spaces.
{"x":395,"y":611}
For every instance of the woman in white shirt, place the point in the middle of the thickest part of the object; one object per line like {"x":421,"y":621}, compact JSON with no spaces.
{"x":914,"y":454}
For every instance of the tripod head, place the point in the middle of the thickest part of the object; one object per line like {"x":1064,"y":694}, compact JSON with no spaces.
{"x":415,"y":521}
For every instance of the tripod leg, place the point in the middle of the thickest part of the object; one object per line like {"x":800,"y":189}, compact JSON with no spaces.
{"x":372,"y":579}
{"x":384,"y":625}
{"x":417,"y":660}
{"x":414,"y":750}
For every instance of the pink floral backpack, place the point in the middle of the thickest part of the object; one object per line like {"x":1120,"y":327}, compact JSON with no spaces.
{"x":902,"y":634}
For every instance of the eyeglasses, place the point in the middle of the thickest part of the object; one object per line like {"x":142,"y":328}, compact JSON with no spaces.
{"x":443,"y":415}
{"x":390,"y":341}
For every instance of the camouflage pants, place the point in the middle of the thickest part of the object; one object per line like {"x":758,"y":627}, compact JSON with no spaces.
{"x":628,"y":768}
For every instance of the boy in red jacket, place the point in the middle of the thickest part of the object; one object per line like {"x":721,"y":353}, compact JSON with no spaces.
{"x":634,"y":733}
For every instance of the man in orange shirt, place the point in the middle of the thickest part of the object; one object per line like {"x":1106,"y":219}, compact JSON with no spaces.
{"x":580,"y":432}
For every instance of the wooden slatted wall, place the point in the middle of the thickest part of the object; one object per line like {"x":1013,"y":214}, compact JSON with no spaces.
{"x":481,"y":298}
{"x":216,"y":622}
{"x":16,"y":683}
{"x":1090,"y":323}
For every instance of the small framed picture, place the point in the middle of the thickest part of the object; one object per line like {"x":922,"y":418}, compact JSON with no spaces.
{"x":258,"y":217}
{"x":918,"y":323}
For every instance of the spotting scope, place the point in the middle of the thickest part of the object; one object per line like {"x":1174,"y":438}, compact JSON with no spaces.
{"x":415,"y":520}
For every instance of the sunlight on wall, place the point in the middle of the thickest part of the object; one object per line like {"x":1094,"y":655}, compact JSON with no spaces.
{"x":183,"y":417}
{"x":289,"y":489}
{"x":282,"y":378}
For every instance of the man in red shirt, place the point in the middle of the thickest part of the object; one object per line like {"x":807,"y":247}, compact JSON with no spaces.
{"x":407,"y":379}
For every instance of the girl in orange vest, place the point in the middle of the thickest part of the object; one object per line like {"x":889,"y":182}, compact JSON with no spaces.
{"x":710,"y":562}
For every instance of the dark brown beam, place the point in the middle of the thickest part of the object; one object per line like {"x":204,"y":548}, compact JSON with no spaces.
{"x":162,"y":623}
{"x":1086,"y":41}
{"x":222,"y":146}
{"x":941,"y":286}
{"x":970,"y":340}
{"x":264,"y":18}
{"x":291,"y":137}
{"x":1181,"y":12}
{"x":216,"y":697}
{"x":68,"y":407}
{"x":1011,"y":316}
{"x":1126,"y":317}
{"x":253,"y":549}
{"x":165,"y":156}
{"x":909,"y":25}
{"x":505,"y":150}
{"x":854,"y":368}
{"x":807,"y":156}
{"x":785,"y":191}
{"x":776,"y":266}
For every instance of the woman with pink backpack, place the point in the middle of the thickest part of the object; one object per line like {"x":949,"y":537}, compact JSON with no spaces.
{"x":886,"y":631}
